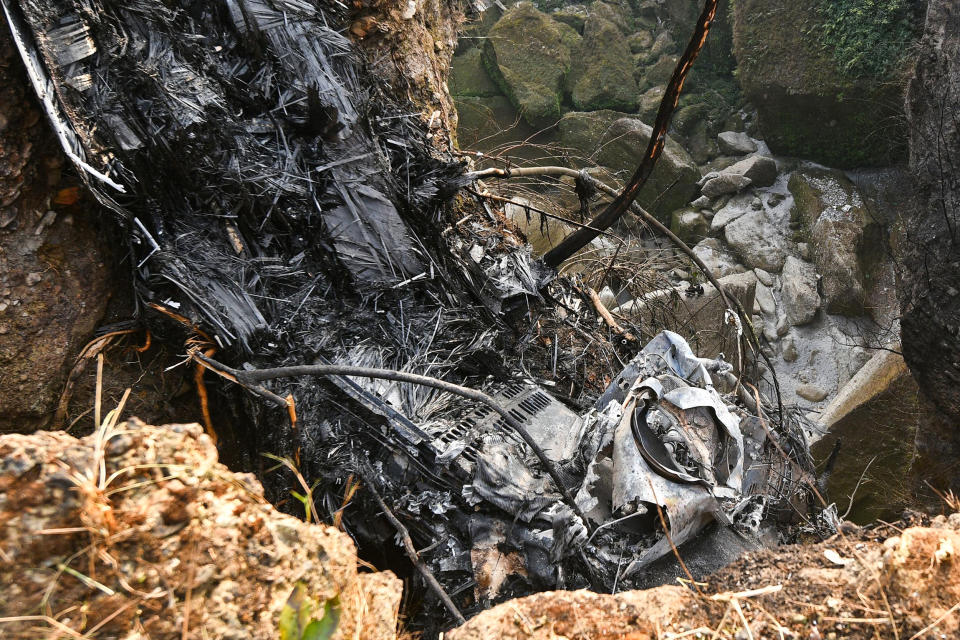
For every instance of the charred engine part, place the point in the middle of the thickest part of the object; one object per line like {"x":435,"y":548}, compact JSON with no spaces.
{"x":661,"y":440}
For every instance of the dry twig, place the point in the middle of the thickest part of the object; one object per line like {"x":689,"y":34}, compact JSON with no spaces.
{"x":411,"y":551}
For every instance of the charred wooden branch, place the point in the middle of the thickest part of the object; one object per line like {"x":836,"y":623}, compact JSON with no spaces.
{"x":411,"y":552}
{"x":541,"y":212}
{"x":249,"y":379}
{"x":607,"y":316}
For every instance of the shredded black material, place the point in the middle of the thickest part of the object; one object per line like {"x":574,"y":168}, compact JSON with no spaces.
{"x":257,"y":168}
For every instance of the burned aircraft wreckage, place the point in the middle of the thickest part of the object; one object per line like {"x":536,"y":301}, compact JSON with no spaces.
{"x":282,"y":208}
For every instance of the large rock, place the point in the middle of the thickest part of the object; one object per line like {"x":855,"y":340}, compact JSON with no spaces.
{"x":757,"y":171}
{"x":54,"y":284}
{"x":176,"y":543}
{"x":650,"y":103}
{"x":714,"y":254}
{"x":880,"y":414}
{"x":738,"y":206}
{"x":486,"y":123}
{"x":617,"y":13}
{"x":826,"y":78}
{"x":660,"y":72}
{"x":617,"y":141}
{"x":528,"y":54}
{"x":574,"y":15}
{"x":735,"y":143}
{"x":762,"y":170}
{"x":689,"y":225}
{"x":724,"y":183}
{"x":800,"y":298}
{"x":601,"y":73}
{"x":756,"y":241}
{"x":847,"y":241}
{"x":469,"y":78}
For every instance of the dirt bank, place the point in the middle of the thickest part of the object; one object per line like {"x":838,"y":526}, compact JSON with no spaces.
{"x":138,"y":532}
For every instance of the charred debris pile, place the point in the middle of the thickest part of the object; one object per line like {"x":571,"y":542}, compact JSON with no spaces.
{"x":282,"y":208}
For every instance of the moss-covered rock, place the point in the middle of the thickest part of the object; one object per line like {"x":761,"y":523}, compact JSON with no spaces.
{"x":486,"y":122}
{"x":808,"y":103}
{"x":640,"y":41}
{"x":528,"y":55}
{"x":650,"y":103}
{"x":660,"y":72}
{"x":689,"y":116}
{"x":847,"y":241}
{"x":663,"y":43}
{"x":601,"y":75}
{"x":689,"y":225}
{"x":617,"y":141}
{"x":469,"y":78}
{"x":573,"y":15}
{"x":616,"y":12}
{"x":696,"y":127}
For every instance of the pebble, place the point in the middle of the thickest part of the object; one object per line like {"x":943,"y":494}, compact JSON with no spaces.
{"x":811,"y":392}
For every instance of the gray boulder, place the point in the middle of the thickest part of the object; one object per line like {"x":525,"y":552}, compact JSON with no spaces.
{"x":765,"y":301}
{"x":765,"y":277}
{"x":757,"y":171}
{"x":756,"y":241}
{"x":718,"y":260}
{"x":811,"y":392}
{"x":762,"y":170}
{"x":735,"y":143}
{"x":846,"y":241}
{"x":800,"y":298}
{"x":689,"y":225}
{"x":725,"y":183}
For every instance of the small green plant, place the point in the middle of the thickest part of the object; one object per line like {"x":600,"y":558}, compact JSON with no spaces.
{"x":305,"y":498}
{"x":298,"y":622}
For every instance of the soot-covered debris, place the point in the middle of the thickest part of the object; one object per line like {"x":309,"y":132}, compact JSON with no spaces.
{"x":281,"y":207}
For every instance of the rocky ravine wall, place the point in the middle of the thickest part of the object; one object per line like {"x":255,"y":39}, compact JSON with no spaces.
{"x":145,"y":535}
{"x":930,"y":301}
{"x":827,"y":78}
{"x":54,"y":284}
